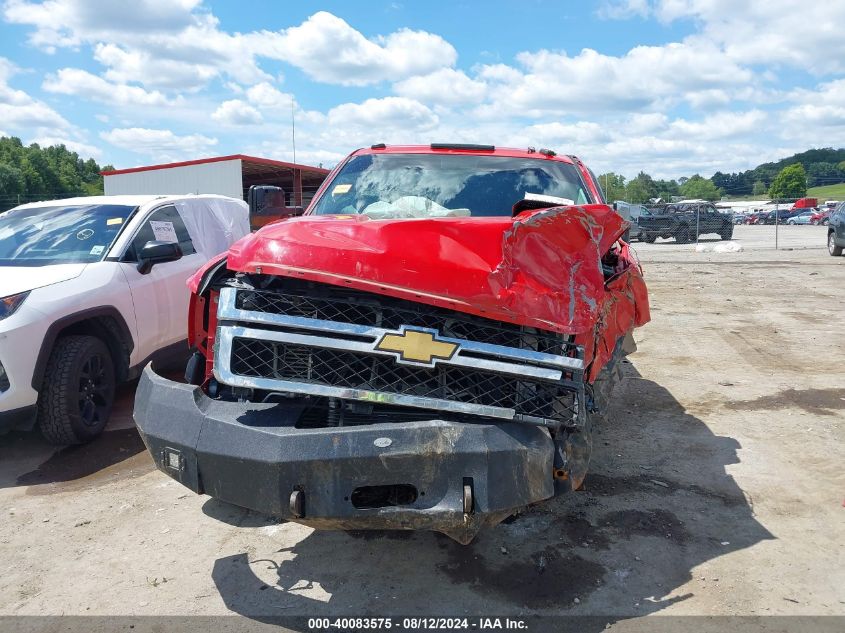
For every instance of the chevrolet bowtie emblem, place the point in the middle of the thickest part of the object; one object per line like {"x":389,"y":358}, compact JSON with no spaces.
{"x":417,"y":346}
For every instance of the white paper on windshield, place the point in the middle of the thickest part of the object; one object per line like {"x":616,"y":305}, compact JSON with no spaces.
{"x":98,"y":250}
{"x":164,"y":231}
{"x":539,"y":197}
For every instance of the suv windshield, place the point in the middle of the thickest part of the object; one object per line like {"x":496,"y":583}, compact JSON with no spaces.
{"x":438,"y":185}
{"x":62,"y":234}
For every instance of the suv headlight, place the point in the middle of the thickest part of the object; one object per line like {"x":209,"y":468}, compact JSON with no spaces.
{"x":8,"y":305}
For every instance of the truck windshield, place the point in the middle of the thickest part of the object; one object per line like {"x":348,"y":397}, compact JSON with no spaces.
{"x":438,"y":185}
{"x":61,"y":234}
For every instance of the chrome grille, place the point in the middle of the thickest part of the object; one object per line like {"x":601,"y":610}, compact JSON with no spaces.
{"x":360,"y":308}
{"x":534,"y":399}
{"x":325,"y":344}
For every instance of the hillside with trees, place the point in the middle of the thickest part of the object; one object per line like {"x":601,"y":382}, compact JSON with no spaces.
{"x":29,"y":173}
{"x":788,"y":178}
{"x":821,"y":167}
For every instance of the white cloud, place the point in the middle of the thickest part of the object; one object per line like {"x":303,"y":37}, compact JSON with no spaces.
{"x":719,"y":125}
{"x":265,"y":95}
{"x":817,"y":116}
{"x":19,"y":111}
{"x":237,"y":112}
{"x":807,"y":37}
{"x":444,"y":86}
{"x":166,"y":44}
{"x":145,"y":67}
{"x":160,"y":144}
{"x":397,"y":113}
{"x":85,"y":150}
{"x":329,"y":50}
{"x":80,"y":83}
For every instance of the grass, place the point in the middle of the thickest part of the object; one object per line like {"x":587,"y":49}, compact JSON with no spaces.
{"x":828,"y":192}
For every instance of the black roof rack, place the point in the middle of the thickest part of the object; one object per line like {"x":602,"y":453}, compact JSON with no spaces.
{"x":464,"y":146}
{"x":378,"y":146}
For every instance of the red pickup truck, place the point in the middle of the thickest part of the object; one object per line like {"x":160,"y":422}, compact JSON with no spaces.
{"x":426,"y":348}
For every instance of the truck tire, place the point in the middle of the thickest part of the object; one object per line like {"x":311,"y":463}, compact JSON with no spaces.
{"x":727,"y":232}
{"x":682,"y":235}
{"x":832,"y":248}
{"x":648,"y":238}
{"x":78,"y":391}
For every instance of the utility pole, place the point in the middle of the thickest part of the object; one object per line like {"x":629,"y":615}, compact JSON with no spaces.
{"x":293,"y":129}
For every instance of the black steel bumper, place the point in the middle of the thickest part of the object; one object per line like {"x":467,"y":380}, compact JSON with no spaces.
{"x":251,"y":455}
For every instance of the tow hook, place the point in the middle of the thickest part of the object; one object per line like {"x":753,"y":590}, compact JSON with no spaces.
{"x":468,"y":500}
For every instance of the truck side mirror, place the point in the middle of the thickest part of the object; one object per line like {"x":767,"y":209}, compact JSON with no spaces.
{"x":156,"y":252}
{"x":267,"y":204}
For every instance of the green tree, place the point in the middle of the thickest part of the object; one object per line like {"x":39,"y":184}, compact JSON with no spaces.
{"x":613,"y":186}
{"x":34,"y":172}
{"x":666,"y":189}
{"x":641,"y":189}
{"x":12,"y":182}
{"x":791,"y":182}
{"x":759,"y":188}
{"x":700,"y":189}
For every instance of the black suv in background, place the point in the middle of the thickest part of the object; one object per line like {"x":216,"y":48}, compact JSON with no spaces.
{"x":685,"y":221}
{"x":836,"y":231}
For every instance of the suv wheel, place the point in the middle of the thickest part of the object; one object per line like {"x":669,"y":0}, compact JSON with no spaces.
{"x":727,"y":232}
{"x":648,"y":238}
{"x":78,"y":392}
{"x":832,"y":248}
{"x":682,"y":236}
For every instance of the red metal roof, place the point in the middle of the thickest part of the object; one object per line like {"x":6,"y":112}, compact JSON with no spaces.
{"x":255,"y":160}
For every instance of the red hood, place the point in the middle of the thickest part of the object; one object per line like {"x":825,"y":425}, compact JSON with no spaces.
{"x":540,"y":269}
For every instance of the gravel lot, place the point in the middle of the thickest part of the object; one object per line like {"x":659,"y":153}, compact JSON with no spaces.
{"x":717,"y":487}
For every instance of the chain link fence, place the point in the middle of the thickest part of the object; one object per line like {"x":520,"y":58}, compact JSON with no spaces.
{"x":730,"y":226}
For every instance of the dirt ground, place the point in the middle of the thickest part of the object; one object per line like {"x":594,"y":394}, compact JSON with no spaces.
{"x":717,"y":487}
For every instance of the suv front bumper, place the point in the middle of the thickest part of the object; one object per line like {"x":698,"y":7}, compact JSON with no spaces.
{"x":251,"y":455}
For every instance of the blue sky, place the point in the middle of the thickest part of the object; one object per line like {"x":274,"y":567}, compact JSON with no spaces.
{"x":671,"y":87}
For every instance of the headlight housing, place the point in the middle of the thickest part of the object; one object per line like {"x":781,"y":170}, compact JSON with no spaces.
{"x":4,"y":379}
{"x":8,"y":305}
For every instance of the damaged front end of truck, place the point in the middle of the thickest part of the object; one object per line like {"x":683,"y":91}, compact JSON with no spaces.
{"x":360,"y":372}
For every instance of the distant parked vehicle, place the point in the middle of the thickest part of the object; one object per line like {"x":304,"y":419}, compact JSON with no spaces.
{"x":805,"y":203}
{"x":822,"y":217}
{"x":685,"y":221}
{"x":782,"y":216}
{"x":836,"y":231}
{"x":632,"y":213}
{"x":802,"y":218}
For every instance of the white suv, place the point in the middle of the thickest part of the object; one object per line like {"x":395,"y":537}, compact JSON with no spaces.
{"x":91,"y":290}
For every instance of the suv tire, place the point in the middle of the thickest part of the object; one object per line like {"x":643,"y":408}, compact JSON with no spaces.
{"x":78,"y":391}
{"x":648,"y":238}
{"x":832,"y":248}
{"x":682,"y":235}
{"x":727,"y":232}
